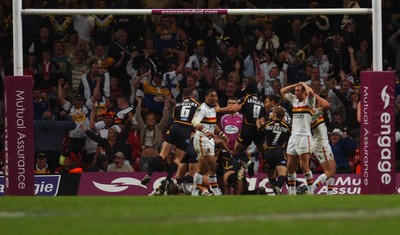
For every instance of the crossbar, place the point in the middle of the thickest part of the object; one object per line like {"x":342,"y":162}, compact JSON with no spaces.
{"x":302,"y":11}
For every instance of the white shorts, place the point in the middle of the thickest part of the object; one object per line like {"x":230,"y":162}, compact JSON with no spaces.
{"x":203,"y":146}
{"x":299,"y":144}
{"x":323,"y":151}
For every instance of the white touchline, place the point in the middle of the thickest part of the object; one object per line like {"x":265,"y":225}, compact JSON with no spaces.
{"x":317,"y":215}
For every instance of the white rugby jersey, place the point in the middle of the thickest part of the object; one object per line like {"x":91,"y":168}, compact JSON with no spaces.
{"x":302,"y":114}
{"x":208,"y":117}
{"x":318,"y":125}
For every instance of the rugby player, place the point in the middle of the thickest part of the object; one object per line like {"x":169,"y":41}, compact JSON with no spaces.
{"x":300,"y":142}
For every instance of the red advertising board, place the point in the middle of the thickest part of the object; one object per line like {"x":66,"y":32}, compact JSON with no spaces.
{"x":377,"y":133}
{"x":19,"y":144}
{"x":118,"y":184}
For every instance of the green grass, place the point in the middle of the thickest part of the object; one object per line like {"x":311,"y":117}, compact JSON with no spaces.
{"x":201,"y":215}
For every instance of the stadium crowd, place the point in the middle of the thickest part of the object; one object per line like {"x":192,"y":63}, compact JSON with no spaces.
{"x":107,"y":87}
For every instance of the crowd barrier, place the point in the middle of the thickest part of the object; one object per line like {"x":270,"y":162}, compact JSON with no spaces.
{"x":128,"y":184}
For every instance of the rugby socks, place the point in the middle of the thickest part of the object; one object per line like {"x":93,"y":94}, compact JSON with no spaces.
{"x":330,"y":184}
{"x":172,"y":169}
{"x":273,"y":181}
{"x":320,"y":180}
{"x":214,"y":185}
{"x":197,"y":180}
{"x":281,"y":181}
{"x":310,"y":181}
{"x":185,"y":179}
{"x":154,"y":165}
{"x":291,"y":183}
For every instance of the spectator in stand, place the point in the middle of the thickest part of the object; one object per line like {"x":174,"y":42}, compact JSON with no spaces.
{"x":319,"y":60}
{"x":141,"y":75}
{"x":90,"y":80}
{"x":102,"y":59}
{"x":71,"y":43}
{"x":84,"y":24}
{"x":124,"y":108}
{"x":336,"y":105}
{"x":115,"y":141}
{"x":61,"y":59}
{"x":79,"y":112}
{"x":343,"y":147}
{"x":103,"y":25}
{"x":31,"y":69}
{"x":338,"y":122}
{"x":165,"y":33}
{"x":233,"y":63}
{"x":363,"y":54}
{"x":69,"y":164}
{"x":79,"y":67}
{"x":115,"y":89}
{"x":316,"y":23}
{"x":40,"y":43}
{"x":316,"y":78}
{"x":312,"y":45}
{"x":297,"y":33}
{"x":266,"y":63}
{"x":59,"y":25}
{"x":49,"y":136}
{"x":198,"y":60}
{"x":338,"y":55}
{"x":350,"y":103}
{"x":120,"y":54}
{"x":47,"y":77}
{"x":292,"y":59}
{"x":41,"y":167}
{"x":151,"y":133}
{"x":40,"y":104}
{"x":268,"y":40}
{"x":100,"y":166}
{"x":154,"y":94}
{"x":173,"y":76}
{"x":119,"y":164}
{"x":232,"y":90}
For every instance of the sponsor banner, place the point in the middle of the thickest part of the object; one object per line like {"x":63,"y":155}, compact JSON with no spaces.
{"x":113,"y":184}
{"x":100,"y":183}
{"x":377,"y":133}
{"x":189,"y":12}
{"x":19,"y":145}
{"x":45,"y":185}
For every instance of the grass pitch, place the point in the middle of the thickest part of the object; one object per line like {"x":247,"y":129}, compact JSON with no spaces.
{"x":201,"y":215}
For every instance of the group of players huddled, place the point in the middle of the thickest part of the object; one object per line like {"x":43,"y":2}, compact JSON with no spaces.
{"x":210,"y":143}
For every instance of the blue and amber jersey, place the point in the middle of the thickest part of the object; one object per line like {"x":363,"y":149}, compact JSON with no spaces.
{"x":276,"y":134}
{"x":185,"y":110}
{"x":252,"y":109}
{"x":154,"y":96}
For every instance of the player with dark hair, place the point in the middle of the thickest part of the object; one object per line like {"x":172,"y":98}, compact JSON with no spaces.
{"x":276,"y":133}
{"x":178,"y":134}
{"x":204,"y":121}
